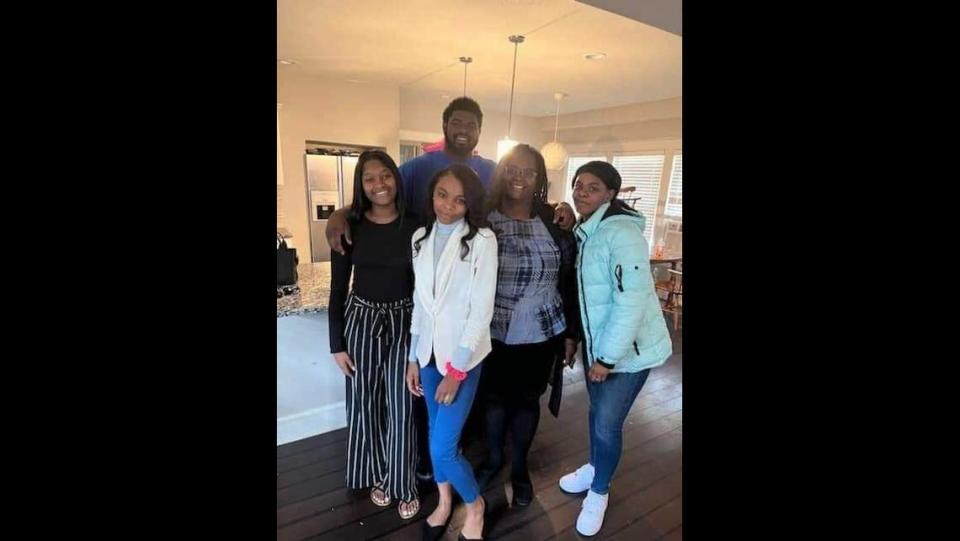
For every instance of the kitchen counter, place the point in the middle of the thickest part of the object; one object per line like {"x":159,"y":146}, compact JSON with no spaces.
{"x":314,"y":295}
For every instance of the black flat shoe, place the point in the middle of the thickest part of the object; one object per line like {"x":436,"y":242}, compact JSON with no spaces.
{"x":522,"y":493}
{"x":434,"y":533}
{"x":462,"y":538}
{"x":522,"y":487}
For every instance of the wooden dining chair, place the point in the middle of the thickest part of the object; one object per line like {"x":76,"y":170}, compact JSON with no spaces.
{"x":628,"y":195}
{"x":670,"y":293}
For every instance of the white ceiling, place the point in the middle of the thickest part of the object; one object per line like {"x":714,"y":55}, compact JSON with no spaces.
{"x":665,"y":14}
{"x":416,"y":44}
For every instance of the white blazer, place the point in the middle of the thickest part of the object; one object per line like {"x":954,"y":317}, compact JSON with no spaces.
{"x":457,"y":309}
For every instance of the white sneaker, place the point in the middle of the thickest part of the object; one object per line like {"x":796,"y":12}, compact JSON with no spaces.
{"x":578,"y":481}
{"x":591,"y":514}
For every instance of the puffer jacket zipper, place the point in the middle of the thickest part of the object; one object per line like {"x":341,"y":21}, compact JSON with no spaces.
{"x":583,"y":300}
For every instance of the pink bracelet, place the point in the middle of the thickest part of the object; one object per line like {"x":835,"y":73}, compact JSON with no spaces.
{"x":457,"y":375}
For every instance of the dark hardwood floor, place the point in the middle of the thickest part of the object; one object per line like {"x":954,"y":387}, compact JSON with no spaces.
{"x":645,"y":496}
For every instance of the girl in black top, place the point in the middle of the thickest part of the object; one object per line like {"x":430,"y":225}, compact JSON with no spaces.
{"x":369,"y":335}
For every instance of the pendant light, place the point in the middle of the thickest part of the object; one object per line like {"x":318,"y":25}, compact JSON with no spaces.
{"x":554,"y":154}
{"x":505,"y":144}
{"x":465,"y":60}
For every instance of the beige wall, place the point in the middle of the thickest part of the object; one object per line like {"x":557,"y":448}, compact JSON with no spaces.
{"x":366,"y":114}
{"x":419,"y":113}
{"x":331,"y":111}
{"x":625,"y":114}
{"x":377,"y":114}
{"x":638,"y":128}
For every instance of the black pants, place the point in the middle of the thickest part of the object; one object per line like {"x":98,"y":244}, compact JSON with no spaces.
{"x":514,"y":379}
{"x":380,"y":442}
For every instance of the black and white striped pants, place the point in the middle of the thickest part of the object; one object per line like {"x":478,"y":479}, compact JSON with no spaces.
{"x":381,"y":446}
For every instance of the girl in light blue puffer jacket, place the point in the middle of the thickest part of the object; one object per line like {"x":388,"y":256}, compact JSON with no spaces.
{"x":624,"y":332}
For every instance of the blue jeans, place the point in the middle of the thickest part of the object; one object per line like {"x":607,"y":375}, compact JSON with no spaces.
{"x":446,"y":422}
{"x":610,"y":401}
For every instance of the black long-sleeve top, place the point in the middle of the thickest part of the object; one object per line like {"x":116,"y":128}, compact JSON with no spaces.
{"x":379,"y":260}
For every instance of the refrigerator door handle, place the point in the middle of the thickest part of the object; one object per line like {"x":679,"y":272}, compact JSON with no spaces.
{"x":340,"y":180}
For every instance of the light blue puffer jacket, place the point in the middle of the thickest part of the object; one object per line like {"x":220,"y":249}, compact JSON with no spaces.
{"x":620,"y":312}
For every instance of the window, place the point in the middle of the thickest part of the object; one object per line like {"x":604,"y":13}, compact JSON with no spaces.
{"x":643,"y":172}
{"x":409,"y":151}
{"x":657,"y":193}
{"x":674,"y":205}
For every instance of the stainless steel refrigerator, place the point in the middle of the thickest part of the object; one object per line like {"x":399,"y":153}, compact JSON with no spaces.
{"x":329,"y":187}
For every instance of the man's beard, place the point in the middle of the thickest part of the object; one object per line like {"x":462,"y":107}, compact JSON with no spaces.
{"x":451,"y":147}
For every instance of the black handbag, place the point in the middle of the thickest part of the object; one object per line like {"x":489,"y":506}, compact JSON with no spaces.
{"x":286,"y":263}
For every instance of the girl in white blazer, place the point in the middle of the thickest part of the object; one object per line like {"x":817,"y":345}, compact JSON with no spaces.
{"x":455,"y":280}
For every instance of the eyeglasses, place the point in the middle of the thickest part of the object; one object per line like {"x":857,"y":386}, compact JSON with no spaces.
{"x":529,"y":174}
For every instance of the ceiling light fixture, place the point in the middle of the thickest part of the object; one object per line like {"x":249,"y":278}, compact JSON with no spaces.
{"x":504,"y":145}
{"x":466,"y":60}
{"x":554,"y":154}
